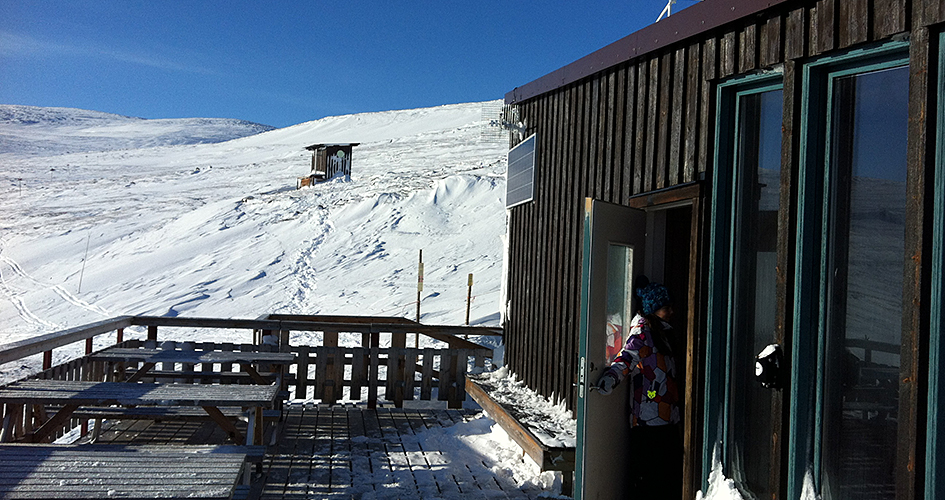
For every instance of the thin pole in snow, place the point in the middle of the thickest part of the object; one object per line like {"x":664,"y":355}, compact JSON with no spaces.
{"x":469,"y":298}
{"x":82,"y":273}
{"x":419,"y":284}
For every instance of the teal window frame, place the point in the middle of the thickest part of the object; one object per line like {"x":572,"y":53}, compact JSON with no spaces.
{"x":721,"y":266}
{"x":814,"y":184}
{"x":935,"y":452}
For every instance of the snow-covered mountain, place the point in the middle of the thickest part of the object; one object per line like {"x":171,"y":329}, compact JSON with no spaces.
{"x":219,"y":230}
{"x":31,"y":130}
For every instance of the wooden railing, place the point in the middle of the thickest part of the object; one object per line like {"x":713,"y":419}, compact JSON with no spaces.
{"x":327,"y":372}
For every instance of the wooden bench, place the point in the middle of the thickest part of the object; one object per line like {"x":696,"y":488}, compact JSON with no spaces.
{"x":114,"y":471}
{"x":549,"y":458}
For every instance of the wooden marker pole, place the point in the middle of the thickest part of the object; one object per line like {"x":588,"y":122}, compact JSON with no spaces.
{"x":419,"y":285}
{"x":469,"y":298}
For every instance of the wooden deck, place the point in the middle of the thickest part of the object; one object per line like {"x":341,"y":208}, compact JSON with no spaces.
{"x":346,"y":451}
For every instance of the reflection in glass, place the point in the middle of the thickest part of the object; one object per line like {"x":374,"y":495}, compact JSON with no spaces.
{"x":755,"y":259}
{"x":619,"y":294}
{"x":864,"y":289}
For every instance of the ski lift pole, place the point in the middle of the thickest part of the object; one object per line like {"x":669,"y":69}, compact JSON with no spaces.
{"x":469,"y":298}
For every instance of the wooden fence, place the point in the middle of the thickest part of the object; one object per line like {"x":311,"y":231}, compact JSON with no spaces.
{"x":328,"y":373}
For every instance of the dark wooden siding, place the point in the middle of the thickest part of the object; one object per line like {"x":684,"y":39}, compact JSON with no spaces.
{"x":646,"y":124}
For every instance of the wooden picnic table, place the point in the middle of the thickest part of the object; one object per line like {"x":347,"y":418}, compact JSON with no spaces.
{"x":72,"y":394}
{"x":151,"y":357}
{"x":109,"y":471}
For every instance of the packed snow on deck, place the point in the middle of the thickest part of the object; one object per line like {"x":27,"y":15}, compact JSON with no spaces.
{"x":104,"y":215}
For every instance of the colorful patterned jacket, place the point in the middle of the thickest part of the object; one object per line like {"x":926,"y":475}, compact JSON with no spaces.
{"x":655,"y":396}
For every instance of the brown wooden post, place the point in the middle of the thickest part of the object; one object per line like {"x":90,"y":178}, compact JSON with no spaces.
{"x":419,"y":284}
{"x":395,"y":372}
{"x":121,"y":336}
{"x":468,"y":299}
{"x":152,"y":332}
{"x":47,"y":359}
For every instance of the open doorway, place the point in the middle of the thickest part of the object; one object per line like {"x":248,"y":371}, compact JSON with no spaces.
{"x":621,"y":244}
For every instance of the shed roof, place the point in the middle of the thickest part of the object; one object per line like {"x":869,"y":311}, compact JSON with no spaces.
{"x":315,"y":147}
{"x":689,"y":22}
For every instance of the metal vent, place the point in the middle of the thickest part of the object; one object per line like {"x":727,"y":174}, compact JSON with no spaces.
{"x":520,"y":179}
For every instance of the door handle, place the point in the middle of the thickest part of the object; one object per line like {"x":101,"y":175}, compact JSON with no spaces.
{"x":768,"y":367}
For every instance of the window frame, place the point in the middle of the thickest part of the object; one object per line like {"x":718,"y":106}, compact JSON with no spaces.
{"x":934,"y":459}
{"x":815,"y":187}
{"x":722,"y":248}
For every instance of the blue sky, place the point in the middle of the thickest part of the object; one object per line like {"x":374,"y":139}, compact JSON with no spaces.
{"x":282,"y":63}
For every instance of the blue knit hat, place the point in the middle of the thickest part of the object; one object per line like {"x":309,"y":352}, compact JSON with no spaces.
{"x":653,"y":297}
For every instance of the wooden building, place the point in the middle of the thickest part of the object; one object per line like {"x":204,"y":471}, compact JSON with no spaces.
{"x":778,"y":164}
{"x":330,"y":159}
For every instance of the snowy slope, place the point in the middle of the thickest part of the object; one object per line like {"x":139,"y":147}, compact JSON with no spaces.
{"x":220,"y":230}
{"x":30,"y":130}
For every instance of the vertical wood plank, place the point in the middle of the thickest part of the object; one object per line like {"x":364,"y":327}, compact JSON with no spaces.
{"x":693,"y":73}
{"x":787,"y":218}
{"x":301,"y":372}
{"x":459,"y":368}
{"x":548,"y":265}
{"x":889,"y":17}
{"x":594,"y":185}
{"x":618,"y":134}
{"x":707,"y":100}
{"x":399,"y":342}
{"x":629,"y":139}
{"x":678,"y":110}
{"x":652,"y":125}
{"x":395,"y":377}
{"x":536,"y":380}
{"x":771,"y":42}
{"x":639,"y":150}
{"x":446,"y":375}
{"x":665,"y":111}
{"x":410,"y":373}
{"x":728,"y":54}
{"x":607,"y":140}
{"x":920,"y":164}
{"x":373,"y":381}
{"x":358,"y":373}
{"x":826,"y":33}
{"x":854,"y":22}
{"x":426,"y":378}
{"x":558,"y":210}
{"x":795,"y":34}
{"x":748,"y":48}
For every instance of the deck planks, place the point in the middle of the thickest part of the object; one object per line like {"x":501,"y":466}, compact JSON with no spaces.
{"x":350,"y":451}
{"x":49,"y":471}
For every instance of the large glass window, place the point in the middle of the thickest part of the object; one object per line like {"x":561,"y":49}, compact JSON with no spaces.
{"x":756,"y":203}
{"x":864,"y":281}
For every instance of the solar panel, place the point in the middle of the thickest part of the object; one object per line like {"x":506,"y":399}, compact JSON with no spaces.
{"x":520,"y":178}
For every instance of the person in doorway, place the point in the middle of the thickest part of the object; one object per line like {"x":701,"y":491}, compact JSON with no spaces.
{"x":647,"y":358}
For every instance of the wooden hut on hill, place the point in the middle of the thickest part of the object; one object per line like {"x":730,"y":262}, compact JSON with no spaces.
{"x":327,"y":161}
{"x":778,"y":164}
